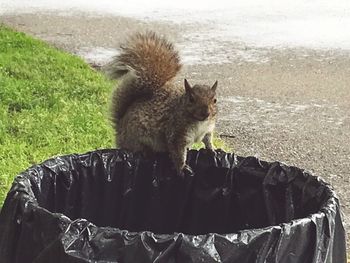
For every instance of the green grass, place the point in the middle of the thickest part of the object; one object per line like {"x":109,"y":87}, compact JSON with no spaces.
{"x":51,"y":103}
{"x":218,"y":144}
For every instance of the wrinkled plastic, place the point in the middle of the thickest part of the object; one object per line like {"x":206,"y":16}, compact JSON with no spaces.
{"x":111,"y":206}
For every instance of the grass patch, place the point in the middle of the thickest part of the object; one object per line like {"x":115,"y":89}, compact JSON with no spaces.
{"x":218,"y":144}
{"x":51,"y":103}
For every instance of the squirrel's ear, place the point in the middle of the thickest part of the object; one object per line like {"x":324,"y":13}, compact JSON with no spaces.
{"x":213,"y":88}
{"x":188,"y":87}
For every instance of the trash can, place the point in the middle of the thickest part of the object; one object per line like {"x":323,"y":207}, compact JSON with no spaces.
{"x":113,"y":206}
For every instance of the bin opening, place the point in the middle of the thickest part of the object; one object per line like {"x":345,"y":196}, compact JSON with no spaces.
{"x":134,"y":194}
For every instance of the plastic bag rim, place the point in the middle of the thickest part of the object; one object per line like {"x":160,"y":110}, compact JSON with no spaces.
{"x":31,"y":203}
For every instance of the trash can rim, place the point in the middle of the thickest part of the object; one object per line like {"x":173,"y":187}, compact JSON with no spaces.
{"x":30,"y":202}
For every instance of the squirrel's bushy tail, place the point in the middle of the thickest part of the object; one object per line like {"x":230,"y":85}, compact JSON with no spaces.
{"x":148,"y":61}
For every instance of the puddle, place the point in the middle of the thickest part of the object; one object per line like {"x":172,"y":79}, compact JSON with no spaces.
{"x":217,"y":28}
{"x":265,"y":23}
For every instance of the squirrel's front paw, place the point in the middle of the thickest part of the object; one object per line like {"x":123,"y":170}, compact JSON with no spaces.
{"x":185,"y":170}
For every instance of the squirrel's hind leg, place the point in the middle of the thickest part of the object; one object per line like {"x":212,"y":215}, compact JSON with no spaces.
{"x":178,"y":154}
{"x":208,"y":141}
{"x":139,"y":147}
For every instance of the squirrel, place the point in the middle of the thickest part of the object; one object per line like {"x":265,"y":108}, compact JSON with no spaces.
{"x":151,"y":114}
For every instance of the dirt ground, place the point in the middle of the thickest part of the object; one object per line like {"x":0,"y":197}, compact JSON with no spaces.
{"x":292,"y":105}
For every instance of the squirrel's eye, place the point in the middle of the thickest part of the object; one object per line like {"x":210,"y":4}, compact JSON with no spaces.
{"x":214,"y":100}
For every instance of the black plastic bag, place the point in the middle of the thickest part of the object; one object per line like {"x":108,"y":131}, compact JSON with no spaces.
{"x":111,"y":206}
